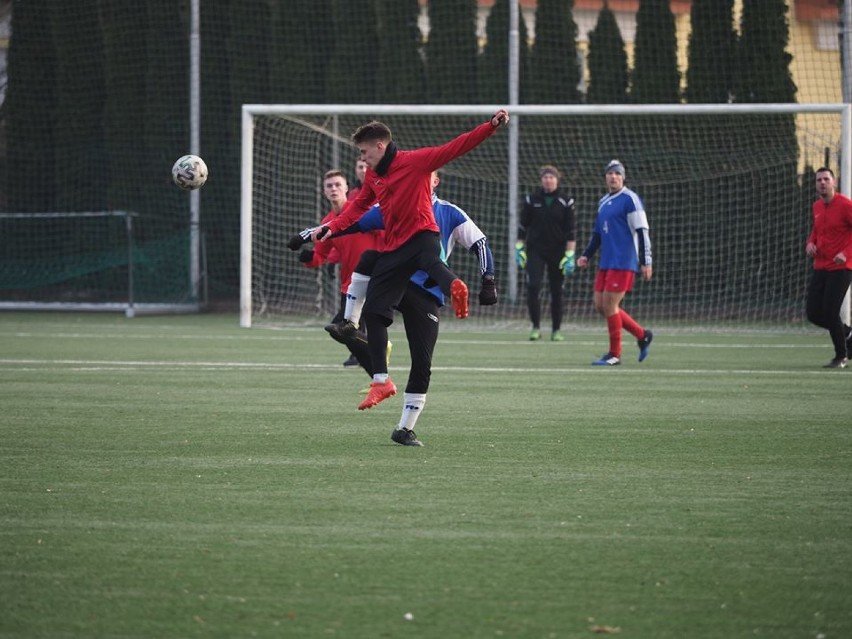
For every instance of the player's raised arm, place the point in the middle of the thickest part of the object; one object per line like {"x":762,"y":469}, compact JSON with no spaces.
{"x":434,"y":157}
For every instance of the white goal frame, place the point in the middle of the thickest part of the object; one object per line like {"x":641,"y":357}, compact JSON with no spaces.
{"x":251,"y":111}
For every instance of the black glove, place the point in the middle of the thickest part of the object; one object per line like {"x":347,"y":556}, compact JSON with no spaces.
{"x":295,"y":242}
{"x":488,"y":291}
{"x":306,"y":255}
{"x":303,"y":237}
{"x":323,"y":232}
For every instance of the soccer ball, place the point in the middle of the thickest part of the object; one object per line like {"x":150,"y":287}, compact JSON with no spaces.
{"x":189,"y":172}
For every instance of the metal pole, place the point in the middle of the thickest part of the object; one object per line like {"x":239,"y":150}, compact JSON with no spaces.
{"x":846,"y":49}
{"x":514,"y":131}
{"x":846,"y":172}
{"x":195,"y":144}
{"x":128,"y":224}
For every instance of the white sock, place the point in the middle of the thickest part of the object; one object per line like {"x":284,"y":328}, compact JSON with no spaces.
{"x":356,"y":294}
{"x":380,"y":378}
{"x":412,"y":406}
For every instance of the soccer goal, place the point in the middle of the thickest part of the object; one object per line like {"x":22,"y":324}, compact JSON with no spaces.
{"x":113,"y":261}
{"x":727,"y":188}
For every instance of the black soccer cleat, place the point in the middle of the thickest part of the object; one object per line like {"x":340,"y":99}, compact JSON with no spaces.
{"x":644,"y":344}
{"x":343,"y":331}
{"x":837,"y":362}
{"x":352,"y":361}
{"x":405,"y":437}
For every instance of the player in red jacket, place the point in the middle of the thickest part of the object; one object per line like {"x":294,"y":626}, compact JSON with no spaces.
{"x":401,"y":183}
{"x":830,"y":246}
{"x":345,"y":250}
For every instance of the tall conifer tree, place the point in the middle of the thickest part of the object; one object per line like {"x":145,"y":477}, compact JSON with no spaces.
{"x":351,"y":73}
{"x":400,"y":76}
{"x":451,"y":52}
{"x":655,"y":78}
{"x":29,"y":108}
{"x":80,"y":100}
{"x":709,"y":74}
{"x":607,"y":61}
{"x":166,"y":130}
{"x":554,"y":66}
{"x":124,"y":77}
{"x":763,"y":62}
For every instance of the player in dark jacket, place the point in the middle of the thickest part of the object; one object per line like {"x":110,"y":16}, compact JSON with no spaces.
{"x":547,"y":239}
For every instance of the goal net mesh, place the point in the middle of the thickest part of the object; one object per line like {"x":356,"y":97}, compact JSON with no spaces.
{"x":727,"y":196}
{"x":93,"y":260}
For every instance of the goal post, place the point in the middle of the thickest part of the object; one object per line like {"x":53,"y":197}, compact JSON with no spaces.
{"x":727,"y":189}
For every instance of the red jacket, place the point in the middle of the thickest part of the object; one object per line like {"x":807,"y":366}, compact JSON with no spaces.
{"x":404,"y":192}
{"x":832,"y":232}
{"x":345,"y":250}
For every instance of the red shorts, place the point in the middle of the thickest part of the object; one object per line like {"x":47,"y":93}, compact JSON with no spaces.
{"x":614,"y":280}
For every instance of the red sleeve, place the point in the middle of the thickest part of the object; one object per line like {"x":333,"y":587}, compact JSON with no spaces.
{"x":354,"y":209}
{"x":322,"y":250}
{"x":433,"y":158}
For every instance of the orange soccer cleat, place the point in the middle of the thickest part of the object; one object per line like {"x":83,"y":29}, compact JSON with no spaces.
{"x":379,"y":392}
{"x":458,"y":291}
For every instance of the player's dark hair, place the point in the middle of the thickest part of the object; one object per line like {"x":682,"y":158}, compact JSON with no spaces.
{"x":372,"y":132}
{"x":825,"y":169}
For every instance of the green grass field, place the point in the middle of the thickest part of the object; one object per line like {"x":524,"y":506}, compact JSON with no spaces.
{"x":183,"y":477}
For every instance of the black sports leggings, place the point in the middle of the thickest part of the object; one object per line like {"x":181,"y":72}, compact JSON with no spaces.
{"x":825,"y":297}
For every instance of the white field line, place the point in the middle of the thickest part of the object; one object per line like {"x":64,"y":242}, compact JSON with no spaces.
{"x":322,"y":337}
{"x":19,"y":365}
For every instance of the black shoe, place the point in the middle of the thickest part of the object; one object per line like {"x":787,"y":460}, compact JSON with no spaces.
{"x":342,"y":331}
{"x":405,"y":437}
{"x":644,"y":344}
{"x":352,"y":361}
{"x":837,"y":362}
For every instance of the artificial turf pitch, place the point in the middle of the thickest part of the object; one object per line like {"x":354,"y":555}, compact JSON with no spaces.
{"x":183,"y":477}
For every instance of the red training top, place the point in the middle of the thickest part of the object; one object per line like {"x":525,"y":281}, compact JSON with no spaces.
{"x":832,"y":232}
{"x":346,"y":250}
{"x":404,"y":192}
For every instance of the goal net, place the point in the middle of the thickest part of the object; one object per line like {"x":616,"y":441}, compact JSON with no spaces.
{"x":94,"y":261}
{"x":727,"y":189}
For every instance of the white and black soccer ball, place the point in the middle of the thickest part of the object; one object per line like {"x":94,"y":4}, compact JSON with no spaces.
{"x":189,"y":172}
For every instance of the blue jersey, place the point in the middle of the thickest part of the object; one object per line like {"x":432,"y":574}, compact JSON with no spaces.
{"x":454,"y":225}
{"x":621,"y":216}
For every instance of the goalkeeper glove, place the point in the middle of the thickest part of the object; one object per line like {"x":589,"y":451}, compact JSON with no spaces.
{"x":567,"y":264}
{"x":306,"y":255}
{"x":488,"y":291}
{"x":520,"y":254}
{"x":300,"y":238}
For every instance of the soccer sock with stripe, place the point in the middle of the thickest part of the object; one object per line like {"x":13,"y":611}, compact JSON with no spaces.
{"x":412,"y":406}
{"x":356,"y":294}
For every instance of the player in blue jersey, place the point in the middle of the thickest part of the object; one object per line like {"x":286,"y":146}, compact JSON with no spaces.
{"x":621,"y":232}
{"x":419,"y":304}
